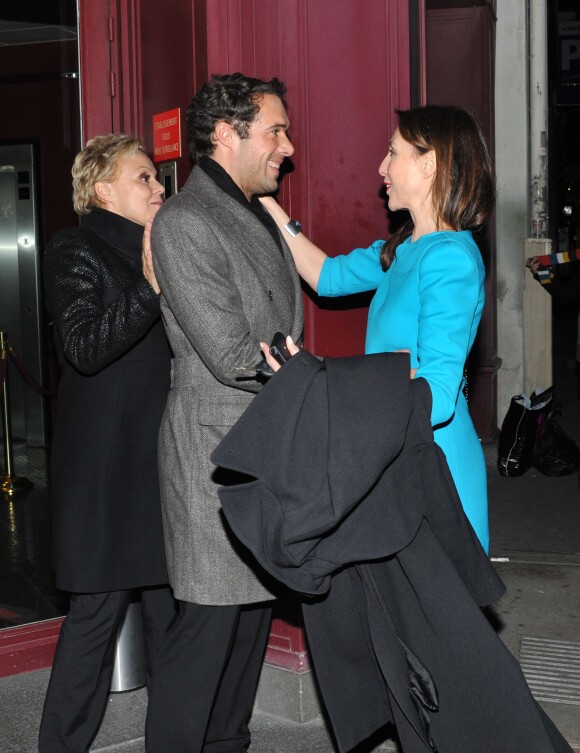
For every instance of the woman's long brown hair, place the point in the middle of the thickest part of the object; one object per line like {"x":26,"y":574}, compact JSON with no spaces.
{"x":463,"y":191}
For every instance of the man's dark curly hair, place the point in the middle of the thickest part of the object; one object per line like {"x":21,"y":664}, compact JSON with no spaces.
{"x":233,"y":98}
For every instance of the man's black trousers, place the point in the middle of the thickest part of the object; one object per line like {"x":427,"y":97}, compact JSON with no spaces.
{"x":202,"y":694}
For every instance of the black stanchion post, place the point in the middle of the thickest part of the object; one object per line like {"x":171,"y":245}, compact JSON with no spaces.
{"x":10,"y":484}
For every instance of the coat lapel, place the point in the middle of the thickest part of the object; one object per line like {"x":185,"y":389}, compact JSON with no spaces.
{"x":252,"y":238}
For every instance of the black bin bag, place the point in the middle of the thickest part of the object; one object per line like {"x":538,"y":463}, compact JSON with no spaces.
{"x":555,"y":453}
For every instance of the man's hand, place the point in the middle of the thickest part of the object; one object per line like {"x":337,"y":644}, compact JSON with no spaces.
{"x":405,"y":350}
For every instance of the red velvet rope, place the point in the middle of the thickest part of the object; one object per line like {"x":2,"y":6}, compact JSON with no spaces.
{"x":24,"y":373}
{"x":2,"y":371}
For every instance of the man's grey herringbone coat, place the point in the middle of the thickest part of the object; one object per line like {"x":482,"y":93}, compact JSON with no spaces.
{"x":225,"y":287}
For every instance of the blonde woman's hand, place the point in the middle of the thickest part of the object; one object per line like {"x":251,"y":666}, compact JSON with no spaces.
{"x":147,"y":258}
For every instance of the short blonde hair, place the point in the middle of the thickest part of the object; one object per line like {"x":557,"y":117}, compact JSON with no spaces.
{"x":98,"y":162}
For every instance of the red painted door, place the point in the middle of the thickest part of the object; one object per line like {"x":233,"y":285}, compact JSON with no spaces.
{"x":346,"y":65}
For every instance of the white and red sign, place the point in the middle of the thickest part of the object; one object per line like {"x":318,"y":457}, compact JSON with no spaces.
{"x":167,"y":135}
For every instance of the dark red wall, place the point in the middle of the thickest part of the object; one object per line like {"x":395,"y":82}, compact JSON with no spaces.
{"x":346,"y":65}
{"x":139,"y":59}
{"x":168,"y":79}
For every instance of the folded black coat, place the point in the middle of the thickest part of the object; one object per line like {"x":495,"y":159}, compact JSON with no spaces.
{"x":352,"y":504}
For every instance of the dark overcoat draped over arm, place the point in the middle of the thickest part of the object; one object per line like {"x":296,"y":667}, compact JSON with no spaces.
{"x":351,"y":503}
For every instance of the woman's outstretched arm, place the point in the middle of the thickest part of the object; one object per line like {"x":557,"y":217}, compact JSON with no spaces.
{"x":307,"y":257}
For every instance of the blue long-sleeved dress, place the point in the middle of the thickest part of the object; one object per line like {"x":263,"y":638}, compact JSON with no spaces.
{"x":430,"y":302}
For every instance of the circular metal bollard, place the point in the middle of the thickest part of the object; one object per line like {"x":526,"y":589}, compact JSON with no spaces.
{"x":129,"y":671}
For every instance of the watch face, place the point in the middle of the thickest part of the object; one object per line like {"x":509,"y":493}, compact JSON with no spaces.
{"x":293,"y":227}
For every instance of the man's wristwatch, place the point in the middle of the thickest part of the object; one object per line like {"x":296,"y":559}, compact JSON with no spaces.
{"x":293,"y":228}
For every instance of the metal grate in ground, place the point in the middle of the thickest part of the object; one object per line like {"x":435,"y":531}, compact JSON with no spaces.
{"x":551,"y":669}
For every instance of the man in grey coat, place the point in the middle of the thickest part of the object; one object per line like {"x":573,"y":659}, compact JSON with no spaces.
{"x":228,"y":282}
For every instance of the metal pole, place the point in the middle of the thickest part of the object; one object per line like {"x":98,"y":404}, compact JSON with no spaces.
{"x":538,"y":98}
{"x":10,"y":484}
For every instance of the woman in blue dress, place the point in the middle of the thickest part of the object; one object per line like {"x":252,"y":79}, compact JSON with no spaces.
{"x":428,"y":276}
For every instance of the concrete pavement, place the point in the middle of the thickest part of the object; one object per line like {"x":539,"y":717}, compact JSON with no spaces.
{"x":535,"y":527}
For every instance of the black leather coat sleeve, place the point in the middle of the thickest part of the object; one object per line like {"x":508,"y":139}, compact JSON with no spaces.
{"x":100,"y":303}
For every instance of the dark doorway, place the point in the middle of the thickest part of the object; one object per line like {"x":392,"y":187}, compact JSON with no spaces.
{"x":39,"y":90}
{"x":564,"y":202}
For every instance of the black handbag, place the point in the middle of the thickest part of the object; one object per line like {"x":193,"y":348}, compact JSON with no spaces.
{"x":520,"y":429}
{"x":555,"y":453}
